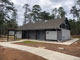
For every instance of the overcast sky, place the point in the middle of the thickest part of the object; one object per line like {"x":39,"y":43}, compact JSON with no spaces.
{"x":46,"y":5}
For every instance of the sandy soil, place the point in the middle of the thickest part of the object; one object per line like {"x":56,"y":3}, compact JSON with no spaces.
{"x":3,"y":39}
{"x":76,"y":36}
{"x":13,"y":54}
{"x":73,"y":49}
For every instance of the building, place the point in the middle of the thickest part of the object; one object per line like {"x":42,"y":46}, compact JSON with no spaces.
{"x":58,"y":29}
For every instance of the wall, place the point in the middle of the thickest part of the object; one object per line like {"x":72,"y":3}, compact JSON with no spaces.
{"x":66,"y":34}
{"x":51,"y":35}
{"x":19,"y":34}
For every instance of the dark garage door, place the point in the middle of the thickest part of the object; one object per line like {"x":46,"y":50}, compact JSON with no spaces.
{"x":25,"y":34}
{"x":41,"y":35}
{"x":32,"y":35}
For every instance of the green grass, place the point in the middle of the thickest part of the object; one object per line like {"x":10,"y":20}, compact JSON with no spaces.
{"x":30,"y":42}
{"x":18,"y":39}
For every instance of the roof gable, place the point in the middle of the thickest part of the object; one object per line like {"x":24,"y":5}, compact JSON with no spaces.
{"x":65,"y":25}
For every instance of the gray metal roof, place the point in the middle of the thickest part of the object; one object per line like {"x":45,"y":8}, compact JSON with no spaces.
{"x":50,"y":24}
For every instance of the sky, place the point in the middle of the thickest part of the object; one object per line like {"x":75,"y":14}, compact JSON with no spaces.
{"x":46,"y":5}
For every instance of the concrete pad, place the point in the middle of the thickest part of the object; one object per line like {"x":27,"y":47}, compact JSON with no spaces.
{"x":47,"y":54}
{"x":42,"y":52}
{"x":69,"y":42}
{"x":60,"y":57}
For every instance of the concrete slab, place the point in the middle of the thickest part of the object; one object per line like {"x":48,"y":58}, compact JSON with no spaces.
{"x":59,"y":57}
{"x":47,"y":54}
{"x":69,"y":42}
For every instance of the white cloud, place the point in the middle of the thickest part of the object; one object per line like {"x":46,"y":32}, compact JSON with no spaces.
{"x":45,"y":3}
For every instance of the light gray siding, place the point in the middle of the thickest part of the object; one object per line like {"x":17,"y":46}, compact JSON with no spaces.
{"x":66,"y":34}
{"x":51,"y":35}
{"x":19,"y":34}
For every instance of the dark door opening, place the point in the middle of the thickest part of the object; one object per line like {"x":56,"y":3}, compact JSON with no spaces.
{"x":32,"y":35}
{"x":25,"y":34}
{"x":41,"y":35}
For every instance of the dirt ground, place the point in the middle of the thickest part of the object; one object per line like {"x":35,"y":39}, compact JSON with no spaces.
{"x":73,"y":49}
{"x":76,"y":36}
{"x":3,"y":39}
{"x":13,"y":54}
{"x":11,"y":38}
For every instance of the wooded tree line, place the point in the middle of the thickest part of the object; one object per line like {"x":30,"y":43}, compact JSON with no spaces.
{"x":75,"y":22}
{"x":36,"y":14}
{"x":8,"y":15}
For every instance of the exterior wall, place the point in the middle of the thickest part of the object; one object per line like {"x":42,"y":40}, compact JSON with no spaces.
{"x":51,"y":35}
{"x":66,"y":34}
{"x":19,"y":34}
{"x":63,"y":34}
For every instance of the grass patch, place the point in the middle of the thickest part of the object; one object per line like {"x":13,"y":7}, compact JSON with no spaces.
{"x":30,"y":42}
{"x":18,"y":39}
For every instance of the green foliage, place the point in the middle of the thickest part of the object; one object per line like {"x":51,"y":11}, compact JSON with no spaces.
{"x":45,"y":15}
{"x":31,"y":42}
{"x":61,"y":12}
{"x":27,"y":9}
{"x":36,"y":8}
{"x":36,"y":12}
{"x":28,"y":42}
{"x":11,"y":24}
{"x":1,"y":18}
{"x":5,"y":20}
{"x":75,"y":23}
{"x":75,"y":12}
{"x":54,"y":13}
{"x":75,"y":30}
